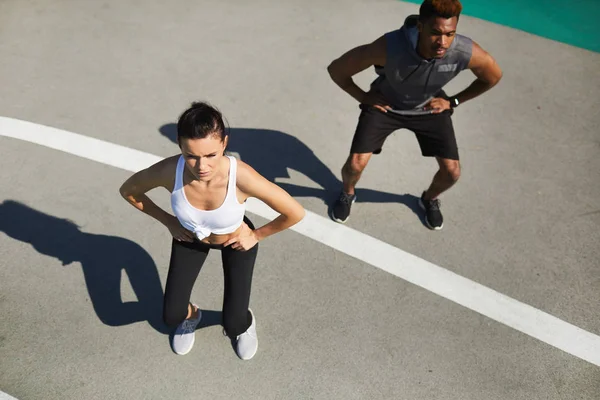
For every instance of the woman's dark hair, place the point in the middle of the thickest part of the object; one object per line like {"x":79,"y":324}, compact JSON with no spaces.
{"x":439,"y":8}
{"x":199,"y":121}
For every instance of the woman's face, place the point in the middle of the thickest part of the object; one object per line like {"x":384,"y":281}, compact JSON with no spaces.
{"x":203,"y":156}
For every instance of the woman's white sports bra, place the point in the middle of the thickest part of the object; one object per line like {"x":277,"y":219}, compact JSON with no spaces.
{"x":220,"y":221}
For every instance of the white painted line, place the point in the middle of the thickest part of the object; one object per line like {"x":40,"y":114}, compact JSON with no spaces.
{"x":472,"y":295}
{"x":5,"y":396}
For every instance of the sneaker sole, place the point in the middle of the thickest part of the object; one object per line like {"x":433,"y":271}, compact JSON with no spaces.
{"x":339,"y":221}
{"x":427,"y":222}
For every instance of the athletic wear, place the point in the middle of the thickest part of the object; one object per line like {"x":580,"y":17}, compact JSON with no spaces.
{"x":247,"y":343}
{"x":185,"y":264}
{"x":408,"y":81}
{"x":341,"y":208}
{"x":223,"y":220}
{"x":433,"y":215}
{"x":185,"y":335}
{"x":434,"y":132}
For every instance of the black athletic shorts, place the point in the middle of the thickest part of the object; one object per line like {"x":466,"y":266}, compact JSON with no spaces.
{"x":434,"y":132}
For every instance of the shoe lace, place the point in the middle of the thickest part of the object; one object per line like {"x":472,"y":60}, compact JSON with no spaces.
{"x":247,"y":333}
{"x":434,"y":205}
{"x":346,"y":198}
{"x":188,"y":326}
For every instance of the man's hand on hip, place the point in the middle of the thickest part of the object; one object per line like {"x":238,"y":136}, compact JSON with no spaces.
{"x":437,"y":105}
{"x":376,"y":100}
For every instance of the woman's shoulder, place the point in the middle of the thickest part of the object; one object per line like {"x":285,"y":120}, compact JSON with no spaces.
{"x":167,"y":165}
{"x":246,"y":175}
{"x":163,"y":171}
{"x":244,"y":169}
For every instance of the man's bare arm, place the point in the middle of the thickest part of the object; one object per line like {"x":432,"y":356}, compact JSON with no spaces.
{"x":487,"y":71}
{"x":354,"y":61}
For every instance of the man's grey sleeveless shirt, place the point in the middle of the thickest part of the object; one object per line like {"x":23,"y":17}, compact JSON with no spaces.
{"x":408,"y":81}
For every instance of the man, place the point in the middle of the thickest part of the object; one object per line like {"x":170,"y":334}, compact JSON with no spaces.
{"x":413,"y":64}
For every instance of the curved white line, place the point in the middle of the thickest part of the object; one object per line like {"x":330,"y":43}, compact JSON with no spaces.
{"x":472,"y":295}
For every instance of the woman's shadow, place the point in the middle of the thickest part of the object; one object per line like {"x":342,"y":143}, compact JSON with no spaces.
{"x":272,"y":153}
{"x":103,"y":258}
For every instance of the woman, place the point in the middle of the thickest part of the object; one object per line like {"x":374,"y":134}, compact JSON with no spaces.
{"x":208,"y":195}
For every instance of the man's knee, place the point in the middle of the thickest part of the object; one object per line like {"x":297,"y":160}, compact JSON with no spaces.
{"x":356,"y":163}
{"x":451,"y":169}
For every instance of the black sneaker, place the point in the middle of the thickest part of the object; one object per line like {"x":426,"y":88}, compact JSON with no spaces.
{"x":433,"y":215}
{"x":341,"y":209}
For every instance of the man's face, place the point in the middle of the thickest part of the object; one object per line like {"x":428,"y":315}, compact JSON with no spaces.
{"x":436,"y":36}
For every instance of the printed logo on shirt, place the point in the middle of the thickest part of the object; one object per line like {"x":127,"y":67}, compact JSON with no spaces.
{"x":447,"y":67}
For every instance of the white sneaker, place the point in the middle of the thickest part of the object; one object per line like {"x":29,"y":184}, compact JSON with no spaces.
{"x":184,"y":337}
{"x":247,"y":342}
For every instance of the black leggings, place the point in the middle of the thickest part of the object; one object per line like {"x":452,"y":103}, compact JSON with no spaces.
{"x":187,"y":259}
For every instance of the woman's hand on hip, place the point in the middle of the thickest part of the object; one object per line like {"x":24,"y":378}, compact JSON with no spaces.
{"x":245,"y":240}
{"x":179,"y":232}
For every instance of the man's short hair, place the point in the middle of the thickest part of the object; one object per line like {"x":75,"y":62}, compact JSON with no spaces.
{"x":439,"y":8}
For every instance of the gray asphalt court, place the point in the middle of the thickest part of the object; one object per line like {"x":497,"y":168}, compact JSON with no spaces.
{"x":82,"y":273}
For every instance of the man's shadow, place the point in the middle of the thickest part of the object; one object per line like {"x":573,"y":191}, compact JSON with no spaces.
{"x":272,"y":152}
{"x":102,"y":258}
